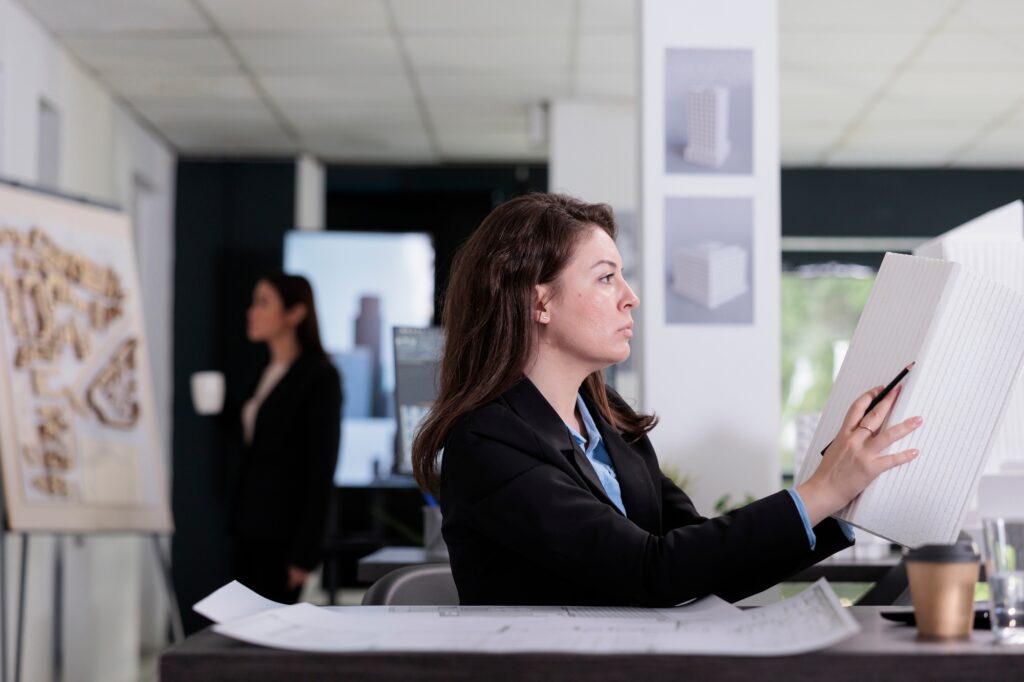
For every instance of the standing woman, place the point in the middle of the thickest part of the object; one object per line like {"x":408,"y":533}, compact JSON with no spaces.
{"x":290,"y":432}
{"x":550,"y":489}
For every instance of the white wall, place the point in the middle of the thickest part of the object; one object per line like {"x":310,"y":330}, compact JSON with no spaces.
{"x":593,"y":151}
{"x":593,"y":156}
{"x":112,"y":601}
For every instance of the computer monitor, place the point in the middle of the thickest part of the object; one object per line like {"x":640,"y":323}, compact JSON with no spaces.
{"x":417,"y":360}
{"x":365,"y":284}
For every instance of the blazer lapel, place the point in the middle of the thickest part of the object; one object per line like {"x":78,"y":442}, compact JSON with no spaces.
{"x":533,"y":407}
{"x":639,"y":495}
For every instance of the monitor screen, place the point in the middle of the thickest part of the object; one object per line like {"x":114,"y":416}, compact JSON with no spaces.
{"x":417,"y":359}
{"x":365,"y":284}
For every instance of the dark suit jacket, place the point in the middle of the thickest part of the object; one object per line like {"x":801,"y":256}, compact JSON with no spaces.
{"x":285,"y":476}
{"x":527,"y":521}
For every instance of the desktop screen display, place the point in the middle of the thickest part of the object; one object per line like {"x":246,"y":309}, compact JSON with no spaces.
{"x":417,"y":359}
{"x":365,"y":284}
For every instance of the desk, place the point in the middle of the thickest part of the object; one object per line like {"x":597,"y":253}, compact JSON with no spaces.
{"x":882,"y":651}
{"x":373,"y":566}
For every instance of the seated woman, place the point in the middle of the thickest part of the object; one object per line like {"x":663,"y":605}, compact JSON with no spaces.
{"x":550,"y":489}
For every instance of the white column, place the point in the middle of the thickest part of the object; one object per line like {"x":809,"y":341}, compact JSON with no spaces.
{"x":709,"y":191}
{"x":310,"y":193}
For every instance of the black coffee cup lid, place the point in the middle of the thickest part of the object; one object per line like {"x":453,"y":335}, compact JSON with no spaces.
{"x":957,"y":552}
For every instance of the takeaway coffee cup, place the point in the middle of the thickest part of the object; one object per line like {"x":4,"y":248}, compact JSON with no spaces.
{"x":208,"y":392}
{"x":942,"y":580}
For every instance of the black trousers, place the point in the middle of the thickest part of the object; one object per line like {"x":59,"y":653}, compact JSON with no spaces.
{"x":262,"y":566}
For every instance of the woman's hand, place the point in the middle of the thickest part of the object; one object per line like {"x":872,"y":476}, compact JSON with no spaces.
{"x":296,"y":576}
{"x":852,"y":461}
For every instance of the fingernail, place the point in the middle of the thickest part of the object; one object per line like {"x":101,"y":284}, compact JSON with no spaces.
{"x":917,"y":421}
{"x":915,"y":453}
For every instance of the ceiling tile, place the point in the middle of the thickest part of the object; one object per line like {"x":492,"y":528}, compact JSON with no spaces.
{"x":911,"y":146}
{"x":312,"y":121}
{"x":967,"y":50}
{"x":154,"y":55}
{"x":320,"y":54}
{"x":805,"y":143}
{"x":615,"y":15}
{"x":992,"y":15}
{"x":477,"y":53}
{"x":842,"y":49}
{"x":353,"y":89}
{"x":229,"y":139}
{"x":135,"y":86}
{"x":486,"y":146}
{"x":449,"y":122}
{"x":339,"y":145}
{"x":481,"y":92}
{"x":113,"y":16}
{"x":1002,"y":148}
{"x":862,"y":15}
{"x":497,"y":16}
{"x":299,"y":16}
{"x":825,"y":96}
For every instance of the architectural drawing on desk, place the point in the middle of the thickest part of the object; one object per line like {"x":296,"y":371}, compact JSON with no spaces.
{"x":710,"y":274}
{"x":78,"y":435}
{"x":707,"y":126}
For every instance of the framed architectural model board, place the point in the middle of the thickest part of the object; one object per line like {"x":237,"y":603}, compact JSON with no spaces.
{"x":79,"y":441}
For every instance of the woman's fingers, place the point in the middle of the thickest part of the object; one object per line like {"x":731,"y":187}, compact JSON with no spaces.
{"x":883,"y":463}
{"x":856,"y":411}
{"x":880,"y":412}
{"x":892,"y":434}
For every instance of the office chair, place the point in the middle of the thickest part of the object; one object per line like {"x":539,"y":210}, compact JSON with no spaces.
{"x":426,"y":584}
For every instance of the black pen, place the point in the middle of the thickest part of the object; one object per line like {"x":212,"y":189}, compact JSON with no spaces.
{"x":881,"y":396}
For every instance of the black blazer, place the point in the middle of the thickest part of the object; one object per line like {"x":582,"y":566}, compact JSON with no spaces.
{"x":285,"y":476}
{"x":527,"y":521}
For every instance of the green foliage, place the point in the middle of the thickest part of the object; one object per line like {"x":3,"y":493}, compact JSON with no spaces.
{"x":816,"y":312}
{"x":685,"y":481}
{"x":724,"y":506}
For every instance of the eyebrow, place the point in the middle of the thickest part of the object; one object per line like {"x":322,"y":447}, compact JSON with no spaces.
{"x":604,"y":262}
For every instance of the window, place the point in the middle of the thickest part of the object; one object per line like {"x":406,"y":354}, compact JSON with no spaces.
{"x":821,"y":304}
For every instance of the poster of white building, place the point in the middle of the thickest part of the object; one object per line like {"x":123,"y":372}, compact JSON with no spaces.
{"x":708,"y":111}
{"x":708,"y":265}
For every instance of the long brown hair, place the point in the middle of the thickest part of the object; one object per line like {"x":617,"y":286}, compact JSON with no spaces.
{"x":293,"y":290}
{"x":487,"y":315}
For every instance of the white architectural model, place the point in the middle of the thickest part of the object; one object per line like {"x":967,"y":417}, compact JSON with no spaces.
{"x":707,"y":126}
{"x":993,"y":244}
{"x":710,"y":274}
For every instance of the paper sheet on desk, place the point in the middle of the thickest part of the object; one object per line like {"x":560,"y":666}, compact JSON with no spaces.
{"x":812,"y":620}
{"x":232,"y":602}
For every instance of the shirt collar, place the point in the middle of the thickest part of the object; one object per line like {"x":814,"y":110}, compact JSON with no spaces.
{"x":593,"y":438}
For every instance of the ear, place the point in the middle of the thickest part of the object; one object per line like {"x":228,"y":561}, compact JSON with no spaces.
{"x":542,"y":294}
{"x":296,"y":314}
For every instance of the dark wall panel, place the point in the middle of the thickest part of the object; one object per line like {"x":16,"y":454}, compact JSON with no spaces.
{"x":890,"y":202}
{"x":230,"y":220}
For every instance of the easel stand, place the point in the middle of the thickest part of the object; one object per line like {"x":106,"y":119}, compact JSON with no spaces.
{"x":163,"y":562}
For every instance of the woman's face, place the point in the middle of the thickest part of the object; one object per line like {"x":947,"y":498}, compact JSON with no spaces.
{"x":589,"y":306}
{"x":267,"y":317}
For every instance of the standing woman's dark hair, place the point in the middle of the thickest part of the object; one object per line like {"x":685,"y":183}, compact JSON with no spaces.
{"x":295,"y":290}
{"x":487,"y":314}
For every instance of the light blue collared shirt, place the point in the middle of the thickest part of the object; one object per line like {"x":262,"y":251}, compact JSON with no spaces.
{"x":811,"y":537}
{"x":593,"y":448}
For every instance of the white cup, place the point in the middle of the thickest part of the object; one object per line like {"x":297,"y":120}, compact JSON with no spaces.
{"x":208,"y":392}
